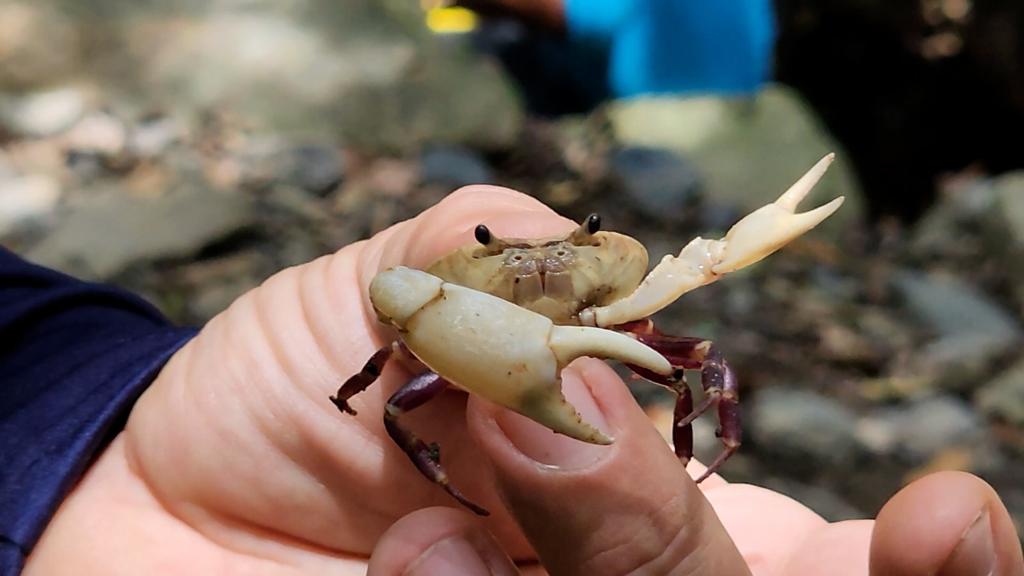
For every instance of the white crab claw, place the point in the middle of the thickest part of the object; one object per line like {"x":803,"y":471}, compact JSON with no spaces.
{"x":704,"y":261}
{"x":771,"y":227}
{"x":570,"y":342}
{"x":497,"y":350}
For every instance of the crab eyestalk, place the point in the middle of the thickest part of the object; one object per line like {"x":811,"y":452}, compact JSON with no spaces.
{"x":584,"y":233}
{"x":492,"y":243}
{"x":703,"y":261}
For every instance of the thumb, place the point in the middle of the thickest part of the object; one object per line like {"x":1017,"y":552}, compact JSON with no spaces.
{"x":596,"y":510}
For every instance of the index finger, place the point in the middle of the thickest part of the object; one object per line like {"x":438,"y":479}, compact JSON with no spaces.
{"x":450,"y":224}
{"x":417,"y":243}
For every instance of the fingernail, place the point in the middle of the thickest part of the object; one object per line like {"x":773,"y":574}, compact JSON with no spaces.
{"x":462,"y":556}
{"x":453,"y":555}
{"x":975,"y":554}
{"x":546,"y":447}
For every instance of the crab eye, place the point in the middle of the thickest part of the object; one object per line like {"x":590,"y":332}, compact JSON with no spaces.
{"x":593,"y":223}
{"x":482,"y":234}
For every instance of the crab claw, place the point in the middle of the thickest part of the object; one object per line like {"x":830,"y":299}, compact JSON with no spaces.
{"x":499,"y":351}
{"x":771,"y":227}
{"x":704,"y":261}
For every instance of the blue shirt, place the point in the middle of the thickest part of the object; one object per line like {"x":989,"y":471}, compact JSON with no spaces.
{"x":679,"y":46}
{"x":74,"y":357}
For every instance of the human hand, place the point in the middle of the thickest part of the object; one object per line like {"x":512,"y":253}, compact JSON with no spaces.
{"x":546,"y":13}
{"x":235,"y":460}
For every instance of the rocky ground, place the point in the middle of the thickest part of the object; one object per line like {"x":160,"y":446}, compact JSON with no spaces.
{"x":192,"y":168}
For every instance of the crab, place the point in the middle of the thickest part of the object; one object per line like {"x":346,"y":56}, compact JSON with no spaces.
{"x":502,"y":317}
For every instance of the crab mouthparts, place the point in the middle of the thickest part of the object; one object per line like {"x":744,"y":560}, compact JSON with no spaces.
{"x":540,"y":279}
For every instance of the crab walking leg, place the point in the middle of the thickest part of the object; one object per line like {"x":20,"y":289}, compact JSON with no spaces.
{"x":427,"y":458}
{"x":704,"y":261}
{"x":497,"y":350}
{"x":721,"y":389}
{"x":682,"y":436}
{"x":362,"y":380}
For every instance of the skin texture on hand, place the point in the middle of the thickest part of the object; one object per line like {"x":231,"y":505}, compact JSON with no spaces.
{"x":235,"y":461}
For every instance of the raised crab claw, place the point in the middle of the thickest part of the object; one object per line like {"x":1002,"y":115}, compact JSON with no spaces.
{"x":501,"y":318}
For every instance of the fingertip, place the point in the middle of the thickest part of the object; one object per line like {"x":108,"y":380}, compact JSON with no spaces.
{"x":523,"y":449}
{"x":449,"y":225}
{"x":473,"y":193}
{"x":920,"y":530}
{"x":606,"y":509}
{"x":438,"y":540}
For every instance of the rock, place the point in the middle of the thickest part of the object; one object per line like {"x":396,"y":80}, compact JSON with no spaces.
{"x":452,"y":167}
{"x":748,"y":151}
{"x":841,"y":343}
{"x":950,"y":307}
{"x":960,"y":362}
{"x":315,"y":168}
{"x":152,"y":136}
{"x":39,"y":44}
{"x":803,"y":426}
{"x":715,"y":216}
{"x":41,"y":114}
{"x":953,"y":218}
{"x":1002,"y":399}
{"x":1004,"y":227}
{"x":1008,"y":209}
{"x":367,"y":73}
{"x":659,"y":182}
{"x":105,"y":232}
{"x":25,"y":199}
{"x":99,"y":133}
{"x":6,"y":169}
{"x":921,"y":430}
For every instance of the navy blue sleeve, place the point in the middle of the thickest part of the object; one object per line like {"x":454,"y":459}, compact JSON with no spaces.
{"x":74,"y":357}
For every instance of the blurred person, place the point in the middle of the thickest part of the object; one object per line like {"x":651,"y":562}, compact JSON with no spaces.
{"x":573,"y":54}
{"x":132,"y":446}
{"x":914,"y":91}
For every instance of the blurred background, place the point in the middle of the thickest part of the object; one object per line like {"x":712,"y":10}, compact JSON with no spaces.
{"x":187,"y":150}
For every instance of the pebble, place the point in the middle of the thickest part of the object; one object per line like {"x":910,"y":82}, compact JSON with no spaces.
{"x":106,"y":231}
{"x":41,"y":114}
{"x":960,"y":362}
{"x":950,"y":306}
{"x":1008,"y":208}
{"x":26,"y":199}
{"x":804,"y":426}
{"x":40,"y":44}
{"x":922,"y":430}
{"x":97,"y":133}
{"x":660,"y":183}
{"x":1002,"y":399}
{"x":749,"y":150}
{"x":152,"y":136}
{"x":316,"y":168}
{"x":453,"y":167}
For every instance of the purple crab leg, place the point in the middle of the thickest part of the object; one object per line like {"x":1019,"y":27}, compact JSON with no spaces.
{"x":426,"y":457}
{"x":682,"y":436}
{"x":721,"y":390}
{"x":360,"y":381}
